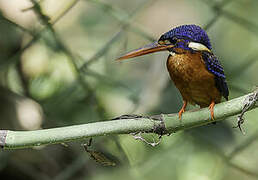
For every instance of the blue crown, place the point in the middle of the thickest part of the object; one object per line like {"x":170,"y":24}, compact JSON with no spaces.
{"x":191,"y":32}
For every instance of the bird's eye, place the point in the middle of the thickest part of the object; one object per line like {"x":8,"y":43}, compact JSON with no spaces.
{"x":161,"y":42}
{"x":173,"y":41}
{"x":167,"y":41}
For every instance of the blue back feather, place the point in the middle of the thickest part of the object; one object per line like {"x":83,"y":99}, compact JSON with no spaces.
{"x":213,"y":65}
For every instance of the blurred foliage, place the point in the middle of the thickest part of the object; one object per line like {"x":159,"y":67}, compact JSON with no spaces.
{"x":57,"y":68}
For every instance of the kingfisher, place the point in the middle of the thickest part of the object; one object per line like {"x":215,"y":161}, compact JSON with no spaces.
{"x":194,"y":69}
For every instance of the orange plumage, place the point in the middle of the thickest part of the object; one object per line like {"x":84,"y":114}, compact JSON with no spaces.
{"x":195,"y":83}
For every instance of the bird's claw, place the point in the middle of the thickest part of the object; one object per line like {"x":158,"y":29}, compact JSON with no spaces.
{"x":180,"y":113}
{"x":182,"y":110}
{"x":211,"y":107}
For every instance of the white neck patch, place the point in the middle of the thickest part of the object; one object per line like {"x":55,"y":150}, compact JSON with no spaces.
{"x":198,"y":47}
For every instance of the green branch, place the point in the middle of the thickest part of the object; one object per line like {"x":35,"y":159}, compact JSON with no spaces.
{"x":160,"y":124}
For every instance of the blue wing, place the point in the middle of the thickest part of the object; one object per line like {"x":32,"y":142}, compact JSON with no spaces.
{"x":213,"y":65}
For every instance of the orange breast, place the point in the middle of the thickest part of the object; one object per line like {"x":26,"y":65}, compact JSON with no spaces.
{"x":195,"y":83}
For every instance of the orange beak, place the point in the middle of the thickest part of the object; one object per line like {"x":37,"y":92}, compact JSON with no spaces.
{"x":150,"y":48}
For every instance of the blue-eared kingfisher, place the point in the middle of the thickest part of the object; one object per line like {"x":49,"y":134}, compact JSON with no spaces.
{"x":194,"y":69}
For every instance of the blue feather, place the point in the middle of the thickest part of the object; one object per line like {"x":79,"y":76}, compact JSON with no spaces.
{"x":213,"y":65}
{"x":191,"y":32}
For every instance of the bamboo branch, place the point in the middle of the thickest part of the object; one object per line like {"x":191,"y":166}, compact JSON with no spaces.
{"x":159,"y":124}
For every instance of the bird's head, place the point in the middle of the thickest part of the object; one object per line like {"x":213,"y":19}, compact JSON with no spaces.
{"x":187,"y":37}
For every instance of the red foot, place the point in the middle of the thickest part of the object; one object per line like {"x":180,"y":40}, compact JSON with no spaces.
{"x":211,"y":107}
{"x":182,"y":110}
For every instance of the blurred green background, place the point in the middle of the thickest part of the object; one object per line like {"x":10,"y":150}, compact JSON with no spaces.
{"x":60,"y":69}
